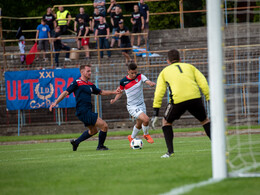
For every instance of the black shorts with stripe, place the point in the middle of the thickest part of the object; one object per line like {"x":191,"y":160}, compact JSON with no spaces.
{"x":195,"y":107}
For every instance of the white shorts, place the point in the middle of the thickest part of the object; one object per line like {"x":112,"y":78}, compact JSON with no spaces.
{"x":135,"y":111}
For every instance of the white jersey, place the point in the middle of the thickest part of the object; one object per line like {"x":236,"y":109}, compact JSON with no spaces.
{"x":133,"y":89}
{"x":21,"y":44}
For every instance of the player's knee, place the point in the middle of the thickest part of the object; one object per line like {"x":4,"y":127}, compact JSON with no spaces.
{"x":165,"y":122}
{"x":146,"y":121}
{"x":104,"y":127}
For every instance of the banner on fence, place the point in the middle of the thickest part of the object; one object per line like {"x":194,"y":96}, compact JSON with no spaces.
{"x":39,"y":88}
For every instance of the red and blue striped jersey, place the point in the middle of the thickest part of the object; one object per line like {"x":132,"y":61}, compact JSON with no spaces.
{"x":82,"y":91}
{"x":133,"y":89}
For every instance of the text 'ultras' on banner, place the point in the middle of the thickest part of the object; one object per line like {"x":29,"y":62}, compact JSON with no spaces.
{"x":39,"y":88}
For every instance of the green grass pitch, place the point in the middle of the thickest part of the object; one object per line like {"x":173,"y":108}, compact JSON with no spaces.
{"x":53,"y":168}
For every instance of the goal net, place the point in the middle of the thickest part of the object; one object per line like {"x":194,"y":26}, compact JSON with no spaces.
{"x":242,"y":86}
{"x":239,"y":42}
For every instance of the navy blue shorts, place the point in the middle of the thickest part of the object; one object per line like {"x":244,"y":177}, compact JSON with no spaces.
{"x":89,"y":118}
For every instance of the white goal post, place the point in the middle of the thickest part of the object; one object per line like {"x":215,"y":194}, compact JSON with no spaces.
{"x":217,"y":106}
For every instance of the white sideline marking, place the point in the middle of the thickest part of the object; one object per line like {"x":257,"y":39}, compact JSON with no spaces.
{"x":189,"y":187}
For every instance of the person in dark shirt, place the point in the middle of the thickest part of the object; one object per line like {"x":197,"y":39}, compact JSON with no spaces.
{"x":103,"y":29}
{"x":137,"y":20}
{"x":115,"y":18}
{"x":87,"y":21}
{"x":96,"y":19}
{"x":113,"y":6}
{"x":83,"y":30}
{"x":123,"y":33}
{"x":82,"y":89}
{"x":50,"y":20}
{"x":144,"y":9}
{"x":58,"y":46}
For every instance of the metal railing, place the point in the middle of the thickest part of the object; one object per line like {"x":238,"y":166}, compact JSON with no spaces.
{"x":241,"y":76}
{"x":51,"y":65}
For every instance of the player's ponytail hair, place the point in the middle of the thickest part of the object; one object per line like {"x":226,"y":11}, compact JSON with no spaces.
{"x":173,"y":56}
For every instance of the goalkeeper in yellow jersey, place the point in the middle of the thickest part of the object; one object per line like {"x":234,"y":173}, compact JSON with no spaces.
{"x":184,"y":82}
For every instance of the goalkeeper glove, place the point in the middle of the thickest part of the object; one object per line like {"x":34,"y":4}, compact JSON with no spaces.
{"x":155,"y":117}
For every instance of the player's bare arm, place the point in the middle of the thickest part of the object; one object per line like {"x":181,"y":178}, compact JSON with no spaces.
{"x":60,"y":98}
{"x":96,"y":33}
{"x":150,"y":83}
{"x":142,"y":19}
{"x":112,"y":21}
{"x":125,"y":34}
{"x":107,"y":92}
{"x":117,"y":97}
{"x":148,"y":16}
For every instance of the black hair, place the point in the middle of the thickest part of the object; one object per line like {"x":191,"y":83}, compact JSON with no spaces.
{"x":132,"y":66}
{"x":173,"y":56}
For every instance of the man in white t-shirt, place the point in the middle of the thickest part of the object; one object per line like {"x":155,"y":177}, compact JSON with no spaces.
{"x":133,"y":86}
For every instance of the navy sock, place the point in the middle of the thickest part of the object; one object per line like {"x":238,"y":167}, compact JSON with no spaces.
{"x":101,"y":137}
{"x":207,"y":129}
{"x":168,"y":135}
{"x":85,"y":135}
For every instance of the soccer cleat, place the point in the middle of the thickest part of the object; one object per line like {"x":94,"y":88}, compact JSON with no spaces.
{"x":74,"y":145}
{"x":130,"y":138}
{"x":148,"y":138}
{"x":102,"y":148}
{"x":167,"y":155}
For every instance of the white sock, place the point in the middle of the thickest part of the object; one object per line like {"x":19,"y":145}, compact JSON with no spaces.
{"x":135,"y":132}
{"x":145,"y":129}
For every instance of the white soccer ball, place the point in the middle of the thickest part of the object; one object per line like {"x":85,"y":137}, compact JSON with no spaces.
{"x":136,"y":143}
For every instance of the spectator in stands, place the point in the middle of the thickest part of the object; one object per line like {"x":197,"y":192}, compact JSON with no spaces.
{"x":83,"y":30}
{"x":64,"y":18}
{"x":113,"y":6}
{"x":101,"y":5}
{"x":43,"y":32}
{"x":21,"y":43}
{"x":96,"y":19}
{"x":86,"y":19}
{"x":103,"y":29}
{"x":123,"y":33}
{"x":137,"y":20}
{"x":51,"y":20}
{"x":144,"y":9}
{"x":58,"y":46}
{"x":115,"y":18}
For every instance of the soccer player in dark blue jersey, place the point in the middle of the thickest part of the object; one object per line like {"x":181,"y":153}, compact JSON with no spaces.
{"x":83,"y":89}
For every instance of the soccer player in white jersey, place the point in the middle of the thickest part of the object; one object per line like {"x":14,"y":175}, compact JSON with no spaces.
{"x":133,"y":86}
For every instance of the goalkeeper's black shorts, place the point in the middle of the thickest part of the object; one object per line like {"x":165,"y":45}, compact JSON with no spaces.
{"x":195,"y":107}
